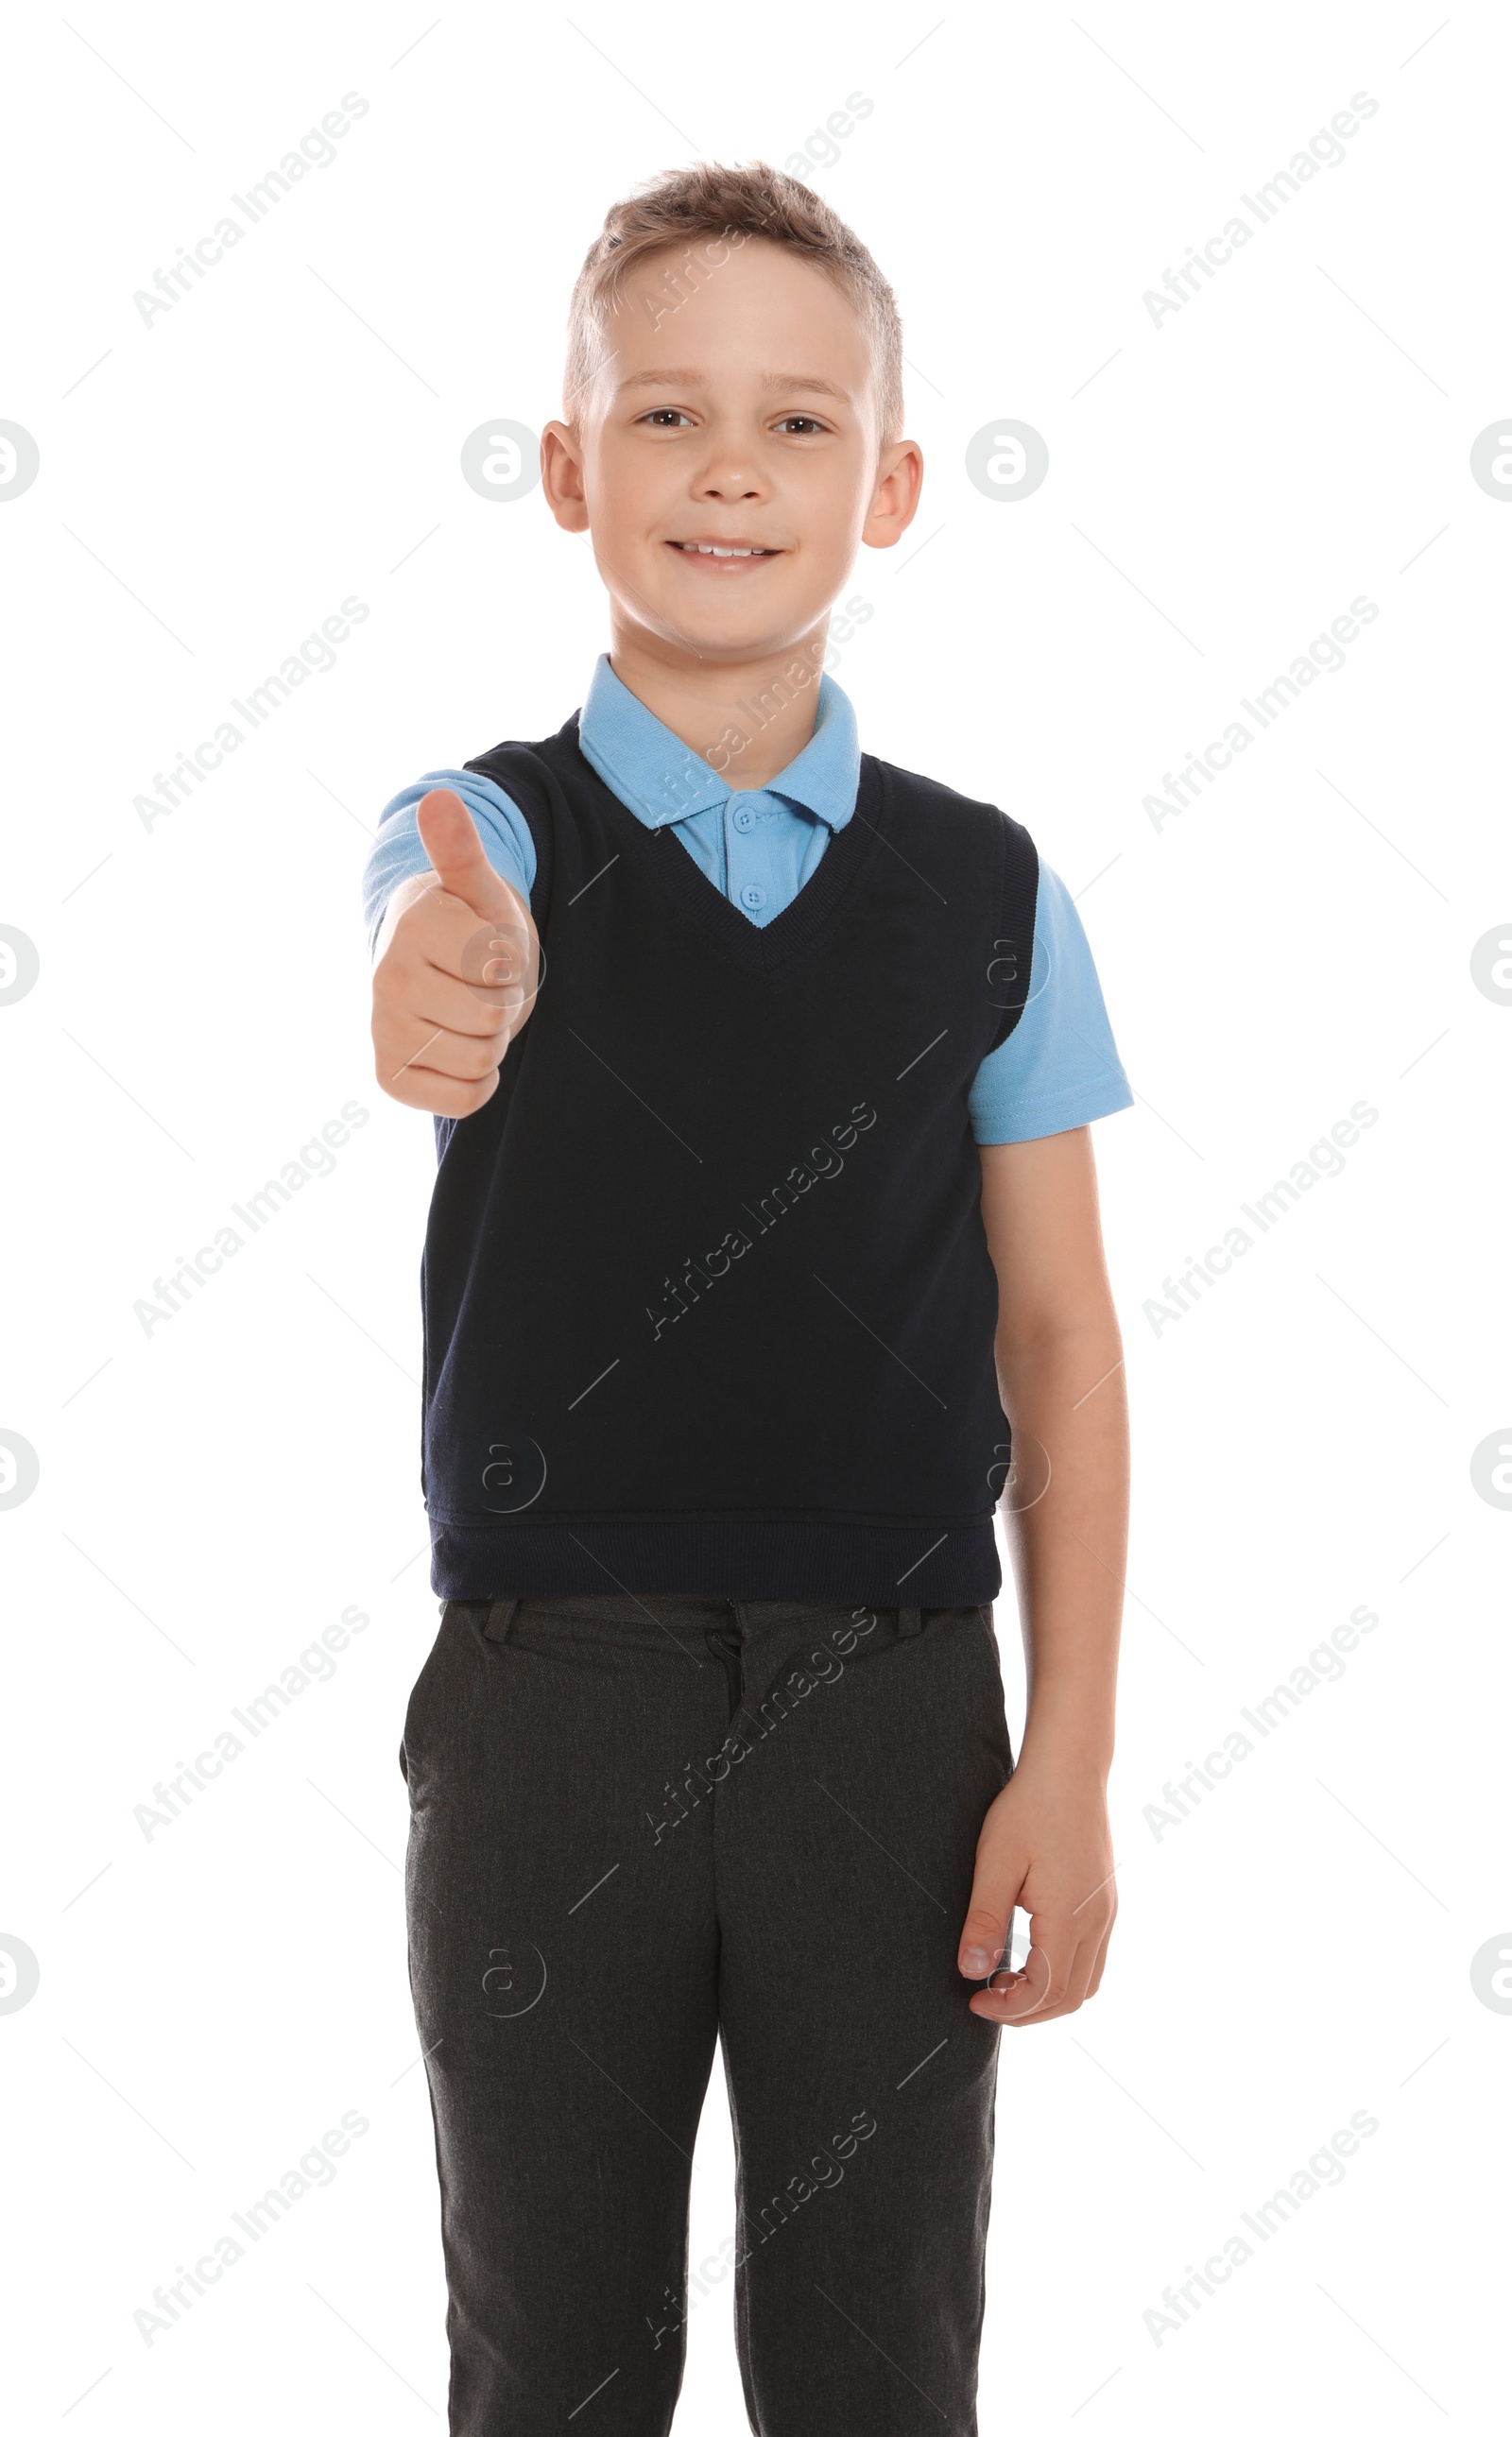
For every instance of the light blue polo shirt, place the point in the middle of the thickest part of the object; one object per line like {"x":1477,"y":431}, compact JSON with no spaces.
{"x":1057,"y":1069}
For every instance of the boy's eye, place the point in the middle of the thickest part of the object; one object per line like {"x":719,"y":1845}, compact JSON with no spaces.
{"x":666,"y":418}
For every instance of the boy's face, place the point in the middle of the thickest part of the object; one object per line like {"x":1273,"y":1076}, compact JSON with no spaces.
{"x":744,"y":415}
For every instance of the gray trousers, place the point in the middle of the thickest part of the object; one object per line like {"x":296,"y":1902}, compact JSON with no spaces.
{"x":638,"y":1825}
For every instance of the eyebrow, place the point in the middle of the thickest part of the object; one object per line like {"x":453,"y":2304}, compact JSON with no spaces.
{"x":689,"y":379}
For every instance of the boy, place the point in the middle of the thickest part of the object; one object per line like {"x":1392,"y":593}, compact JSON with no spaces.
{"x":766,"y":1202}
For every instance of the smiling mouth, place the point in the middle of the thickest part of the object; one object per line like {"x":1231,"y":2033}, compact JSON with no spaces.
{"x":723,"y":550}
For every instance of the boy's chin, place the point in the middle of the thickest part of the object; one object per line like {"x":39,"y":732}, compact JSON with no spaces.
{"x":722,"y":632}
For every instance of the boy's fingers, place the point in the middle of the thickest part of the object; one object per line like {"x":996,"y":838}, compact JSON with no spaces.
{"x":1031,"y":1989}
{"x":434,"y":1049}
{"x":1050,"y":1983}
{"x":491,"y":957}
{"x":449,"y":837}
{"x":1060,"y":1971}
{"x":458,"y":971}
{"x":441,"y":1095}
{"x":437,"y":996}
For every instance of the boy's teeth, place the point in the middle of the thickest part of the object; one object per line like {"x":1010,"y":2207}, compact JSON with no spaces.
{"x":713,"y":550}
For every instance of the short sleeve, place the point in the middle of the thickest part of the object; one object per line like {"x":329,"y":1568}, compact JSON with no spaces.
{"x":396,"y":852}
{"x":1059,"y":1066}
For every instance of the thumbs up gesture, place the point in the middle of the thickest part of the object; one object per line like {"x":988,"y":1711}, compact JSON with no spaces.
{"x":457,"y":969}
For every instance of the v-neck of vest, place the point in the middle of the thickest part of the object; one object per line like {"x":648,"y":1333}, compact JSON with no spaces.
{"x":760,"y":947}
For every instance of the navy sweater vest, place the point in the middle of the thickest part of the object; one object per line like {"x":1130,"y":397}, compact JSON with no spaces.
{"x":708,"y":1300}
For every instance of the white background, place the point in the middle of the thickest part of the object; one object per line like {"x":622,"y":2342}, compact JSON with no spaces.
{"x":214,"y":1494}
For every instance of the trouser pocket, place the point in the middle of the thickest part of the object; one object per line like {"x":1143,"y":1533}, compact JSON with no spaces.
{"x":420,"y":1691}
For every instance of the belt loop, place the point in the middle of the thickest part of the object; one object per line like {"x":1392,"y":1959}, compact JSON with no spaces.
{"x":910,"y":1619}
{"x":501,"y":1617}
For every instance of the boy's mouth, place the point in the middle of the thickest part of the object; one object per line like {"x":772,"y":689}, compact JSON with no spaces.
{"x":727,"y":557}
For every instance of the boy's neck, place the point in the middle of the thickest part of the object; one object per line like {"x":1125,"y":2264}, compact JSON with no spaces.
{"x":712,"y":704}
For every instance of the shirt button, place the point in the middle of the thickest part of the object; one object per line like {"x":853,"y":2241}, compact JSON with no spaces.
{"x":743,"y":817}
{"x":753,"y":894}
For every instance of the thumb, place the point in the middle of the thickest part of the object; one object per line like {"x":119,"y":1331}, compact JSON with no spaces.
{"x":984,"y":1938}
{"x":449,"y":837}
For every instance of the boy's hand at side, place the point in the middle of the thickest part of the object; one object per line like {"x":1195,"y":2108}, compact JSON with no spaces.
{"x":457,"y":969}
{"x":1045,"y":1846}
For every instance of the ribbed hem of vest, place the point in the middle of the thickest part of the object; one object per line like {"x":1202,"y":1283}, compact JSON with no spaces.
{"x":873,"y":1566}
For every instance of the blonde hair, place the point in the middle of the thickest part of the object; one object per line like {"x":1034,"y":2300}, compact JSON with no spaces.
{"x":699,"y":211}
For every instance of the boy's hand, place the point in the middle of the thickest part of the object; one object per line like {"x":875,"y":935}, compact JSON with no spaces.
{"x":457,"y":969}
{"x":1045,"y":1846}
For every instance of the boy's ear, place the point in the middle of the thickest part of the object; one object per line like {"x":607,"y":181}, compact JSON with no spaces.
{"x":562,"y":477}
{"x":895,"y":498}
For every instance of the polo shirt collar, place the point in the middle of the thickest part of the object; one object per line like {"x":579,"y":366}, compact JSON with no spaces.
{"x":662,"y":780}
